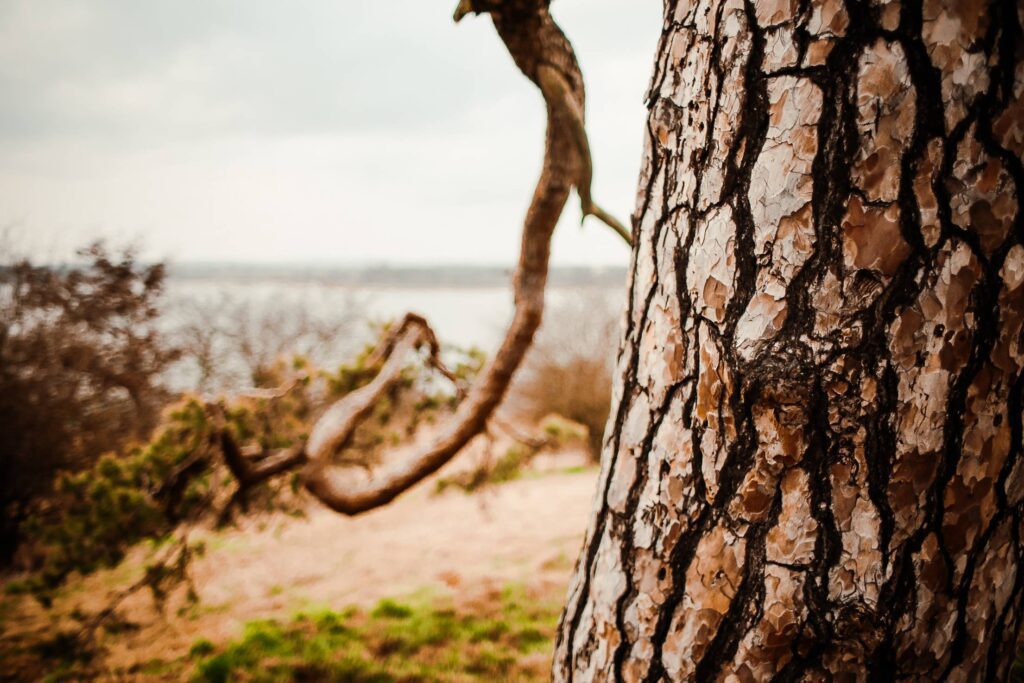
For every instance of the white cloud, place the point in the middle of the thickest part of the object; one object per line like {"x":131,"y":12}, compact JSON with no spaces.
{"x":328,"y":131}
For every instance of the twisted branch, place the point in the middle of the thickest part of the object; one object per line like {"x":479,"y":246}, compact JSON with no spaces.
{"x":556,"y":92}
{"x":544,"y":55}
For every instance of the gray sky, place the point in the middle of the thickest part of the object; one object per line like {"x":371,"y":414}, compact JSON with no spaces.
{"x":323,"y":130}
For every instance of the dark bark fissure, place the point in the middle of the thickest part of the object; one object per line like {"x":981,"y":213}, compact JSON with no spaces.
{"x":752,"y":132}
{"x":817,"y":373}
{"x":625,"y":521}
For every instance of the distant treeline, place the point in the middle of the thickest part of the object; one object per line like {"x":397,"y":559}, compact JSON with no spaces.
{"x":396,"y":276}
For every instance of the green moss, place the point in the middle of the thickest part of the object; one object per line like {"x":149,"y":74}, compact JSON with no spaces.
{"x":201,"y":648}
{"x":389,"y":609}
{"x":216,"y":669}
{"x":419,"y":640}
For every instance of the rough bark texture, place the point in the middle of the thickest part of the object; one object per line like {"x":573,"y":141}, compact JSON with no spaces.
{"x":813,"y":466}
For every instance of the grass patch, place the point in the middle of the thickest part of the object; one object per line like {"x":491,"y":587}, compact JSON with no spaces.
{"x":501,"y":636}
{"x":196,"y":610}
{"x":201,"y":648}
{"x":157,"y":668}
{"x":389,"y":609}
{"x":228,"y":543}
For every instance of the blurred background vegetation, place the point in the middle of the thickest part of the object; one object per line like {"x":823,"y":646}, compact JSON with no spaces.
{"x":111,"y":397}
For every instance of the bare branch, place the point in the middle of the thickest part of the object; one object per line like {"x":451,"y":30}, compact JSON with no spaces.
{"x":176,"y":557}
{"x":249,"y":473}
{"x":545,"y":56}
{"x":526,"y":439}
{"x":172,"y":490}
{"x":533,"y":39}
{"x":337,"y":424}
{"x":558,"y":94}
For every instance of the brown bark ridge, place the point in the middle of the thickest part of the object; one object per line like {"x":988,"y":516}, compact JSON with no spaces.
{"x":813,"y":467}
{"x":544,"y":55}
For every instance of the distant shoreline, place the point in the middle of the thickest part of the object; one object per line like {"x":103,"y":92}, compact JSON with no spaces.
{"x":448,"y":277}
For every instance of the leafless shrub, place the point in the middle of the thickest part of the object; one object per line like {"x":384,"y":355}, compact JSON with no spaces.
{"x":228,"y":342}
{"x":569,"y":370}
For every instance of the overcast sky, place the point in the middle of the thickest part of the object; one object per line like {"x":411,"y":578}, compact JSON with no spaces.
{"x":324,"y":130}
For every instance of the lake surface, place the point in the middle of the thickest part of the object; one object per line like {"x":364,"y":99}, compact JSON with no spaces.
{"x":251,"y":318}
{"x":459,"y":315}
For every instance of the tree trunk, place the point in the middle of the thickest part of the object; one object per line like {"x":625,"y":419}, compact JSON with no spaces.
{"x":813,"y":466}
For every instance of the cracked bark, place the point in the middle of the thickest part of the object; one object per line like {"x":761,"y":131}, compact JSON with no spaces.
{"x":813,"y":466}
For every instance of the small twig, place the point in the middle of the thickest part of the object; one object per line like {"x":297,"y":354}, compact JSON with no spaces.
{"x":88,"y":630}
{"x":557,"y":92}
{"x":172,"y":490}
{"x":528,"y":441}
{"x":261,"y":393}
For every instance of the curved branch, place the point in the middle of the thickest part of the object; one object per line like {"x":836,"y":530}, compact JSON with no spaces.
{"x":335,"y":427}
{"x":545,"y":56}
{"x":532,"y":38}
{"x":250,"y":473}
{"x":556,"y":91}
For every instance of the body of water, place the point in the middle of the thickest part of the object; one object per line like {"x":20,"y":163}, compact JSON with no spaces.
{"x":245,"y":322}
{"x":459,"y":315}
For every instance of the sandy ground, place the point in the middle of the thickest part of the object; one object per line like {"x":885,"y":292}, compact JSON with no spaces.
{"x":527,"y":531}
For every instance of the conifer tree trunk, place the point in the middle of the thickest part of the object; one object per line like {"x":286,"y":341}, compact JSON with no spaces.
{"x":813,"y":469}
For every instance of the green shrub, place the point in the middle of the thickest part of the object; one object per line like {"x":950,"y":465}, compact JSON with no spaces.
{"x":81,"y":360}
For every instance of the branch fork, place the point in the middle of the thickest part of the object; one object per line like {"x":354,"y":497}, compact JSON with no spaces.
{"x":545,"y":56}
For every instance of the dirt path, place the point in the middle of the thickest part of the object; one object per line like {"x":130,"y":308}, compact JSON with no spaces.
{"x":527,"y":531}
